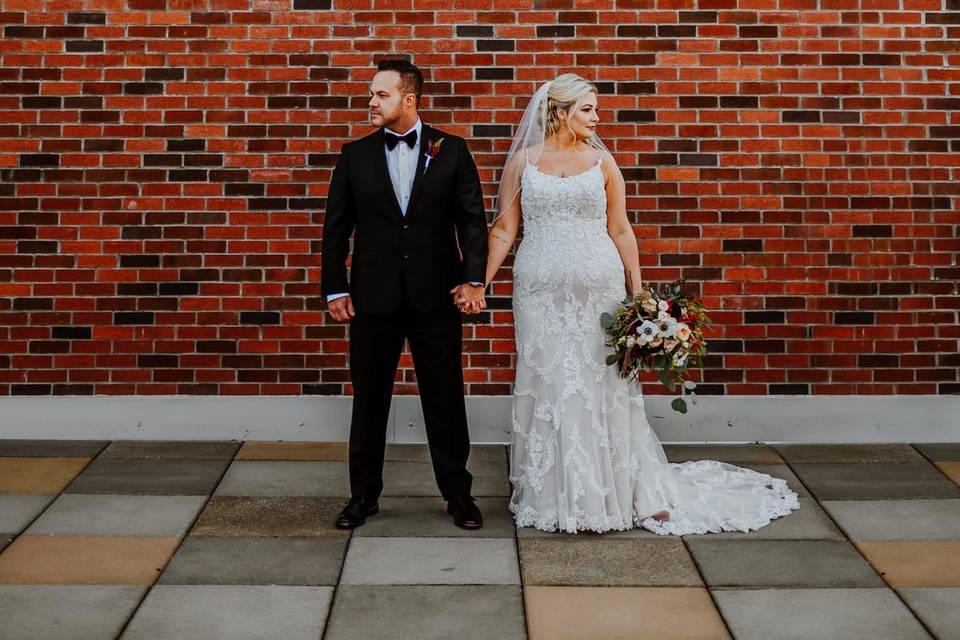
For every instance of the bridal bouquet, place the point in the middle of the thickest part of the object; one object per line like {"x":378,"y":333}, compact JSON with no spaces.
{"x":660,"y":329}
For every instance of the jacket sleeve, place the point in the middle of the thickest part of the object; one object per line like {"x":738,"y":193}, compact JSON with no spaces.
{"x":471,"y":218}
{"x":338,"y":225}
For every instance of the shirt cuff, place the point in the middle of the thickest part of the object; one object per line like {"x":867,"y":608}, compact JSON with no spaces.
{"x":334,"y":296}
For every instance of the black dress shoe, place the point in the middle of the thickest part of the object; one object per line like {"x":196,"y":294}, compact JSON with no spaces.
{"x":465,"y":513}
{"x":356,"y":512}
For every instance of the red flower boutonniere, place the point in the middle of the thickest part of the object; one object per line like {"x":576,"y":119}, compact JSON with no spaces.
{"x":433,"y":149}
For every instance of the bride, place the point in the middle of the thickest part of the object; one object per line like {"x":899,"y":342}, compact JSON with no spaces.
{"x":583,"y":454}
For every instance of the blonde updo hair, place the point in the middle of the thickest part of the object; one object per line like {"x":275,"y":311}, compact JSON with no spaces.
{"x":567,"y":92}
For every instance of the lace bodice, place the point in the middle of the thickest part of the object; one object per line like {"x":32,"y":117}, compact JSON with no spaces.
{"x":578,"y":197}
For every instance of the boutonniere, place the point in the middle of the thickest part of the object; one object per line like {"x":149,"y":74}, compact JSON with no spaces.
{"x":433,"y":149}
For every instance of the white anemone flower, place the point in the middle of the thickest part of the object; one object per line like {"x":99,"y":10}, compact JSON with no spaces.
{"x":647,"y":331}
{"x":667,"y":326}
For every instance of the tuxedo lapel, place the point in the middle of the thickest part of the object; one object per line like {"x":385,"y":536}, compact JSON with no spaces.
{"x":379,"y":159}
{"x":426,"y":134}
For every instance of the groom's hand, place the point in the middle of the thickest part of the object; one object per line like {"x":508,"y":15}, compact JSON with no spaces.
{"x":342,"y":308}
{"x":469,"y":298}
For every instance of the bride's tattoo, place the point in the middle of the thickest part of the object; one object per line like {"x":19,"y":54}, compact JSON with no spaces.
{"x":501,"y":238}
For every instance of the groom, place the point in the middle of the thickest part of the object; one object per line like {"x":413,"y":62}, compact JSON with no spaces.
{"x":410,"y":196}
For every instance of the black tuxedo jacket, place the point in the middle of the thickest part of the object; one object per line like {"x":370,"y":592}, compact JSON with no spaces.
{"x":442,"y":241}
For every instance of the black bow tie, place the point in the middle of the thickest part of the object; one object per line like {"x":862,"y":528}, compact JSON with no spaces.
{"x":392,"y":139}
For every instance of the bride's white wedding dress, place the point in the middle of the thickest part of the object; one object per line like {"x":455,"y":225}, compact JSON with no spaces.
{"x":584,"y":456}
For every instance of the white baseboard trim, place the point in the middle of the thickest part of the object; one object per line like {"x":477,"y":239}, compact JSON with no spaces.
{"x":327,"y":418}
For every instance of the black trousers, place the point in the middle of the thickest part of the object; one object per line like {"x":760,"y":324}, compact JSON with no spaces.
{"x":376,"y":342}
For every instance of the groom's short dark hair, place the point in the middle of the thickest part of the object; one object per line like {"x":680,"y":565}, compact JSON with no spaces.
{"x":411,"y":78}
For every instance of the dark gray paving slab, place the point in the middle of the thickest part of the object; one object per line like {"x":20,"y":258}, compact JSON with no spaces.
{"x":476,"y":612}
{"x":428,"y":518}
{"x":65,"y":612}
{"x":818,"y":614}
{"x":809,"y":522}
{"x":290,"y":517}
{"x":109,"y":515}
{"x":869,"y":481}
{"x":939,"y":608}
{"x":431,"y":561}
{"x":782,"y":563}
{"x":5,"y":539}
{"x":416,"y":479}
{"x":18,"y":510}
{"x":732,"y":453}
{"x":230,"y":611}
{"x":479,"y":453}
{"x":876,"y":520}
{"x":940,"y":451}
{"x":847,"y":453}
{"x":287,"y":561}
{"x":285,"y":478}
{"x":51,"y":448}
{"x":172,"y":449}
{"x":607,"y":562}
{"x":149,"y":477}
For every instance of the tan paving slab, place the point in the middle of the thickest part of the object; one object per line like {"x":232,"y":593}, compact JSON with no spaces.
{"x":172,"y":449}
{"x":915,"y":564}
{"x":85,"y":560}
{"x":848,"y":453}
{"x":622,"y":613}
{"x":38,"y":475}
{"x":292,"y":450}
{"x":268,"y":517}
{"x":951,"y":470}
{"x":732,"y":453}
{"x":609,"y":562}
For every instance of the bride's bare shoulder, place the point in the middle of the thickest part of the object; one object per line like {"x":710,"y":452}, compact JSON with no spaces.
{"x":608,"y":165}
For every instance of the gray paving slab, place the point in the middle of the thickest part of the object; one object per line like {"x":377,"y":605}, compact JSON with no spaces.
{"x":818,"y":614}
{"x":732,"y":453}
{"x":51,"y":448}
{"x":288,"y":561}
{"x":148,"y":477}
{"x":607,"y":562}
{"x":285,"y":478}
{"x":781,"y":471}
{"x":847,"y":453}
{"x":870,"y":481}
{"x":938,"y":607}
{"x":875,"y":520}
{"x":291,"y":517}
{"x":203,"y":612}
{"x":431,"y":561}
{"x":108,"y":515}
{"x":401,"y":478}
{"x":65,"y":612}
{"x":476,"y":612}
{"x":18,"y":510}
{"x":782,"y":563}
{"x":809,"y":522}
{"x":175,"y":449}
{"x":427,"y":518}
{"x":410,"y":452}
{"x":940,"y":451}
{"x":5,"y":539}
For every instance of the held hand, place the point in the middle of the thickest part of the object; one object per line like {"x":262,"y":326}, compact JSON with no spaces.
{"x":342,"y":309}
{"x":469,"y":298}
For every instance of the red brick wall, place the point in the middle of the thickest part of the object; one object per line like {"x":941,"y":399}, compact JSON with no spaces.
{"x":163,"y":166}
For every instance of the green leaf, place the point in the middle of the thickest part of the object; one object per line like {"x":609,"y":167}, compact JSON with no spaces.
{"x":612,"y":359}
{"x":666,"y":380}
{"x":679,"y":404}
{"x":606,"y":320}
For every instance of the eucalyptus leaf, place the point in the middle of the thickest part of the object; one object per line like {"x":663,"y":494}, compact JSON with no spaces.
{"x":612,"y":359}
{"x":679,"y":404}
{"x":606,"y":320}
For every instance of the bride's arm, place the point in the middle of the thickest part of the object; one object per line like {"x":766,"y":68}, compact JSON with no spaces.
{"x":504,"y":230}
{"x":618,"y":225}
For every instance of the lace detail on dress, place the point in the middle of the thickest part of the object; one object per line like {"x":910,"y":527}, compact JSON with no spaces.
{"x":584,"y":456}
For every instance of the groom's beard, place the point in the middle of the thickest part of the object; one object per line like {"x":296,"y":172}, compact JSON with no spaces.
{"x":387,"y":119}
